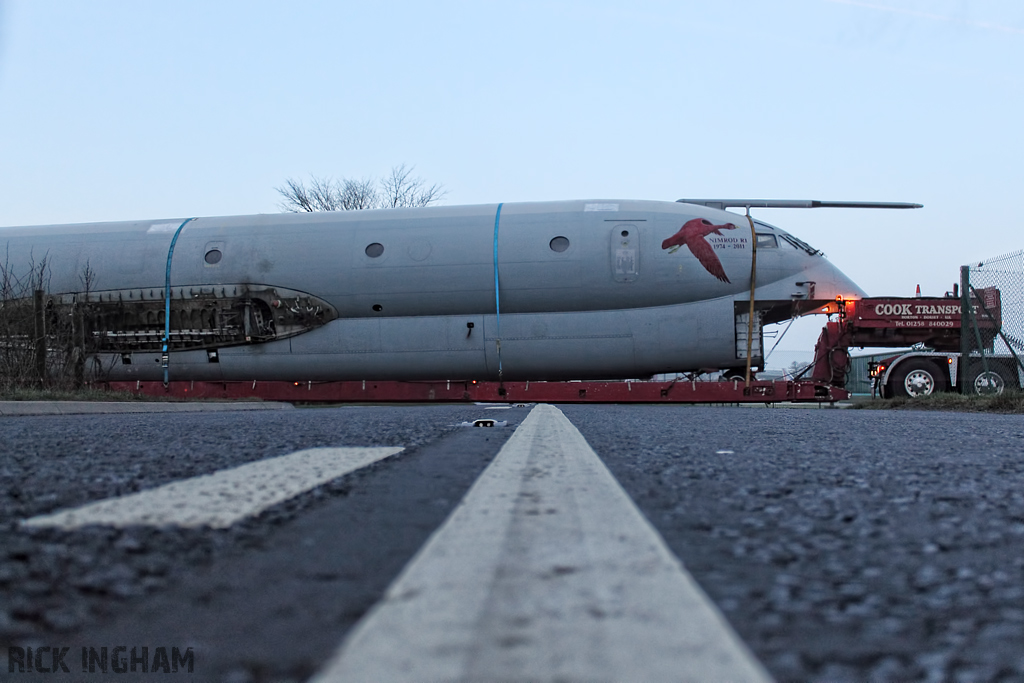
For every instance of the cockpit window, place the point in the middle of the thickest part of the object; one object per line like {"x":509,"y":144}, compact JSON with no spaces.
{"x":766,"y":241}
{"x":785,"y":237}
{"x":799,"y":244}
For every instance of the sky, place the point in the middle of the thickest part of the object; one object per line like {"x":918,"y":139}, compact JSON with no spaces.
{"x":120,"y":110}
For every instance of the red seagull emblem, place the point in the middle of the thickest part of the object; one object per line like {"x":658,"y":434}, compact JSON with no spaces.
{"x":692,"y":234}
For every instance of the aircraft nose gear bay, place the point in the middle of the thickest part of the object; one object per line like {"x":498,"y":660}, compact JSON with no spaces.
{"x":587,"y":543}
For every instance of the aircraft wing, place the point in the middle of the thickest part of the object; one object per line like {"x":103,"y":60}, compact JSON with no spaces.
{"x":796,"y":204}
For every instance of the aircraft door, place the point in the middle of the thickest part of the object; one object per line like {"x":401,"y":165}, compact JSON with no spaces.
{"x":770,"y":257}
{"x":625,"y":252}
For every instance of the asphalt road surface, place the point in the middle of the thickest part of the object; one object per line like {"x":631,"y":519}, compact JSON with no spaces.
{"x":838,"y":545}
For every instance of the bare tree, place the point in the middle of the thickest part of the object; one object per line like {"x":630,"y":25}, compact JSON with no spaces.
{"x":398,"y":189}
{"x":359,"y":194}
{"x":401,"y":189}
{"x":796,"y":367}
{"x":319,"y":196}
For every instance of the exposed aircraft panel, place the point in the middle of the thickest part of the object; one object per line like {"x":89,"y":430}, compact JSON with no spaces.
{"x":625,"y":252}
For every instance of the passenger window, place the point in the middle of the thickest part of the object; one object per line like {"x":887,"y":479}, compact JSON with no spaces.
{"x":213,"y":254}
{"x":766,"y":241}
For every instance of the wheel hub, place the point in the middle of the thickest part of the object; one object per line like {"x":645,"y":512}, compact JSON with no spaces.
{"x":919,"y":383}
{"x":988,"y":384}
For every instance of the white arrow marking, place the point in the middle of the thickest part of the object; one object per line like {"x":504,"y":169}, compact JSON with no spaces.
{"x":220,"y":499}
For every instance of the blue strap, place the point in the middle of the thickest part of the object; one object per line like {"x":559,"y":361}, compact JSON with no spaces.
{"x":497,"y":295}
{"x":167,"y":301}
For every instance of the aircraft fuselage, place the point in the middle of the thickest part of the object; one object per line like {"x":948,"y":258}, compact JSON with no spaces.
{"x":572,"y":290}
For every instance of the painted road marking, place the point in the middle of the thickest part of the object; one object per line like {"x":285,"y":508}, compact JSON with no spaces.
{"x":545,"y":571}
{"x":220,"y":499}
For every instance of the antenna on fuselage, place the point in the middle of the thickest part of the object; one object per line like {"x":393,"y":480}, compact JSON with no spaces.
{"x":795,"y":204}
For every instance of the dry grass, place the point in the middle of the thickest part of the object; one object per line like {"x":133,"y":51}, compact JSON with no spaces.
{"x":1010,"y":402}
{"x":87,"y":394}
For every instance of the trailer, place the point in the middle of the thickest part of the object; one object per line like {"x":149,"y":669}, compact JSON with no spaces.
{"x":939,"y":361}
{"x":681,"y":390}
{"x":933,"y":326}
{"x":953,"y":340}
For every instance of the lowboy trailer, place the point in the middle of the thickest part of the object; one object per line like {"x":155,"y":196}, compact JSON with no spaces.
{"x":443,"y":391}
{"x":932,"y":325}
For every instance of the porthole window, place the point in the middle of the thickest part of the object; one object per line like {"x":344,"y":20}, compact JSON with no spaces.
{"x":625,"y":233}
{"x":378,"y":308}
{"x":213,"y":257}
{"x":374,"y":250}
{"x":559,"y":244}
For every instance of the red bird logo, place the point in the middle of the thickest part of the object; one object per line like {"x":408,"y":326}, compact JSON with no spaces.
{"x":692,"y":234}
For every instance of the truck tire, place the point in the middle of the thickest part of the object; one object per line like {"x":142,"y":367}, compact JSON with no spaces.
{"x":916,"y":377}
{"x":983,"y":383}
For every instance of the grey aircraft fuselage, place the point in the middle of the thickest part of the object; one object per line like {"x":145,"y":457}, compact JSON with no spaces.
{"x":547,"y":291}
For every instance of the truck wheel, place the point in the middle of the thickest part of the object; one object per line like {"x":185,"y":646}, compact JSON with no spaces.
{"x":987,"y":383}
{"x":916,"y":377}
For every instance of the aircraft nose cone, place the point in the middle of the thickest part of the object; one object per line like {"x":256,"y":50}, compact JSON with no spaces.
{"x":830,"y":282}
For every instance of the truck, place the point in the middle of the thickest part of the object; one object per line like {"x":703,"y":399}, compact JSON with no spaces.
{"x":953,"y":347}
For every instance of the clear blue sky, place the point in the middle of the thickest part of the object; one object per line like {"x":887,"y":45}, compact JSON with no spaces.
{"x":115,"y":110}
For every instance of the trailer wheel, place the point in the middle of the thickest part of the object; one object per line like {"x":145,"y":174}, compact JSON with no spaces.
{"x":916,"y":377}
{"x":987,"y":383}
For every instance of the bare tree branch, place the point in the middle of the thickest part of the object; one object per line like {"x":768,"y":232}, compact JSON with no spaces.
{"x":88,"y":278}
{"x":296,"y":198}
{"x":399,"y":189}
{"x":324,"y":193}
{"x":395,"y":187}
{"x":359,"y":194}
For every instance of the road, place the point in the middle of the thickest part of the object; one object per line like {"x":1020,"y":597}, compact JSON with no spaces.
{"x":838,"y":545}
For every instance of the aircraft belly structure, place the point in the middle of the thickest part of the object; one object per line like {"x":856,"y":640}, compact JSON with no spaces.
{"x":555,"y":290}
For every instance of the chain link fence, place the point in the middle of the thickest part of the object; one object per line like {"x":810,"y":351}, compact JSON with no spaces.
{"x":992,"y":325}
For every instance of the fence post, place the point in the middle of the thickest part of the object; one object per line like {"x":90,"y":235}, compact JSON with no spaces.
{"x":965,"y":322}
{"x":965,"y":271}
{"x":40,"y":335}
{"x":78,"y":344}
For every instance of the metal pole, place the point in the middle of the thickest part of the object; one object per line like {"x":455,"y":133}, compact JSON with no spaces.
{"x":78,"y":343}
{"x":753,"y":285}
{"x":965,"y":321}
{"x":40,"y":335}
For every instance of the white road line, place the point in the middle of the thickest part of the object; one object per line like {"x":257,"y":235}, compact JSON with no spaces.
{"x":220,"y":499}
{"x":546,"y":571}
